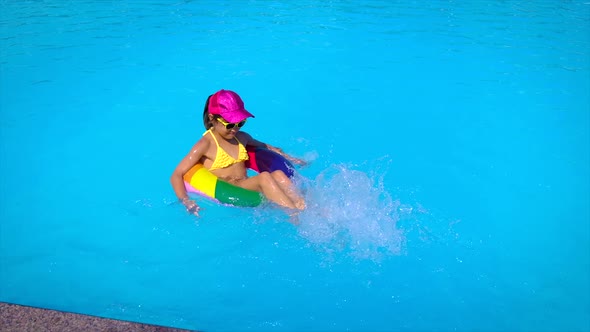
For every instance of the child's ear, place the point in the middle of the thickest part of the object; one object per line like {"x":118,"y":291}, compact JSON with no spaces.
{"x":211,"y":116}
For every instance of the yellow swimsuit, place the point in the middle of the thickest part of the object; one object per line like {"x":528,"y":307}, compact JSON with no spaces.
{"x":223,"y":159}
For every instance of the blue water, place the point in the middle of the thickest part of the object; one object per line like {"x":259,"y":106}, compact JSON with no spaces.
{"x":449,"y":181}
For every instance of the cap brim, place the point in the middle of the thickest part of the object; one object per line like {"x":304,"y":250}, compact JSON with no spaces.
{"x":235,"y":117}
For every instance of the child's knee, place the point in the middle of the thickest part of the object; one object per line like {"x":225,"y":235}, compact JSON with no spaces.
{"x":265,"y":176}
{"x":279,"y":174}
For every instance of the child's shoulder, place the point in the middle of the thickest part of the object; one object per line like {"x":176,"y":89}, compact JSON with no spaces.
{"x":243,"y":136}
{"x":206,"y":139}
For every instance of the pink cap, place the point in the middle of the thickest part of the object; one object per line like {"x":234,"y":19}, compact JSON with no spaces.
{"x":229,"y":105}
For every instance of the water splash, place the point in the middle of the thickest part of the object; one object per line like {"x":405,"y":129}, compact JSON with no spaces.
{"x":350,"y":211}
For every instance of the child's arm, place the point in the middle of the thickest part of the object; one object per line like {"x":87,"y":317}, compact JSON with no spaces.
{"x":294,"y":160}
{"x":256,"y":143}
{"x":177,"y":181}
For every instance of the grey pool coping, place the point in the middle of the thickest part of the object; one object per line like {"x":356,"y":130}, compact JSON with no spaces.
{"x":15,"y":317}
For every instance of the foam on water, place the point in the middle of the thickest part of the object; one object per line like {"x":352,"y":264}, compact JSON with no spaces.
{"x":349,"y":210}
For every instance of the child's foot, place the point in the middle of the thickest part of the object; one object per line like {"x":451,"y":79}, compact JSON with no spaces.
{"x":300,"y":204}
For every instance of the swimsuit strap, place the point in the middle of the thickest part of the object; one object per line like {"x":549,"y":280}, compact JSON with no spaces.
{"x":214,"y":138}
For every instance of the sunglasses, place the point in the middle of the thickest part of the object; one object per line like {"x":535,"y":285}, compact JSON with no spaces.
{"x":229,"y":126}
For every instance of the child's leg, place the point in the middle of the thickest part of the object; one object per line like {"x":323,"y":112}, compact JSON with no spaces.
{"x":266,"y":184}
{"x":289,"y":189}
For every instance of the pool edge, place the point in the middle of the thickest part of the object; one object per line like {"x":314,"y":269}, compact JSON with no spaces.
{"x":16,"y":317}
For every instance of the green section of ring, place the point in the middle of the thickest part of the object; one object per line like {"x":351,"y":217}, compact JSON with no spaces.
{"x":229,"y":194}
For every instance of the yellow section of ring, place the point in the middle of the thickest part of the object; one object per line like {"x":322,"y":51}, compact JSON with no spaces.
{"x":201,"y":179}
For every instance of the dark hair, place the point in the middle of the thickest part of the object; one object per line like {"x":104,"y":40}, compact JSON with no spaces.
{"x":206,"y":121}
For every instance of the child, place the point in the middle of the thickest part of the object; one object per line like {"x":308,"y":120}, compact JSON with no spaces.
{"x":222,"y":150}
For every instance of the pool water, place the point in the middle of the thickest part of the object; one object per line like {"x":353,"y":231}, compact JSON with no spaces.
{"x":448,"y":185}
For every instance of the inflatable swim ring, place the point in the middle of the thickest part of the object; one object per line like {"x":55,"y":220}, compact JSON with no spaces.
{"x":201,"y":181}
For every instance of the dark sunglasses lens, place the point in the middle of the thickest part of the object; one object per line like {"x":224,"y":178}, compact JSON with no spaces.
{"x":232,"y":125}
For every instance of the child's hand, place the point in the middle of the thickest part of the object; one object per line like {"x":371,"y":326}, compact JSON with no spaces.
{"x":296,"y":161}
{"x":299,"y":162}
{"x":191,"y":206}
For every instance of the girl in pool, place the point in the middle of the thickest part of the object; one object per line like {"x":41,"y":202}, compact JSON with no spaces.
{"x":222,"y":150}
